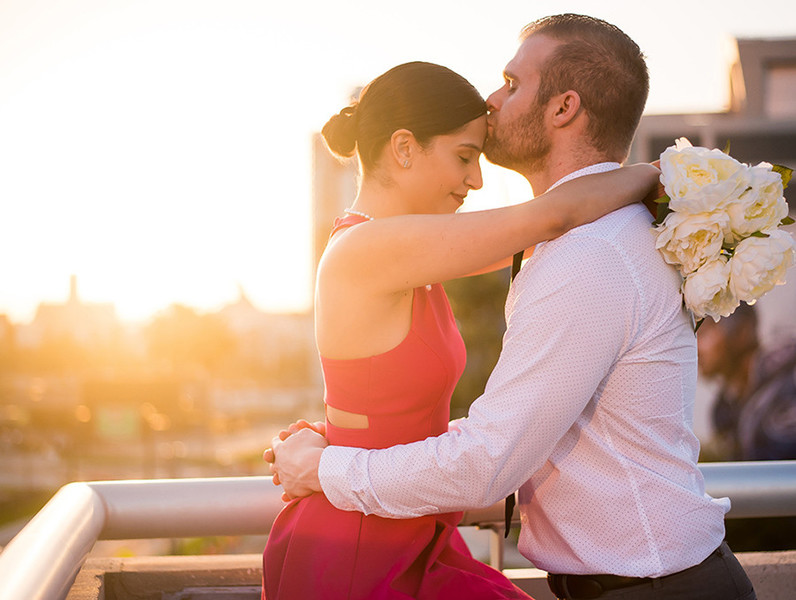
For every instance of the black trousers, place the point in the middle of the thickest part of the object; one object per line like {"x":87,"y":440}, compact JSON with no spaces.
{"x":719,"y":577}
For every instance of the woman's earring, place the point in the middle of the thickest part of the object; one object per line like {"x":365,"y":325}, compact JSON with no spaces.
{"x":406,"y":164}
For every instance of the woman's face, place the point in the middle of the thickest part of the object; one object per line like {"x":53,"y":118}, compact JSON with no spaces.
{"x":447,"y":169}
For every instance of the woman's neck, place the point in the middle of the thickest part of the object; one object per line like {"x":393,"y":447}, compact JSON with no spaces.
{"x":378,"y":199}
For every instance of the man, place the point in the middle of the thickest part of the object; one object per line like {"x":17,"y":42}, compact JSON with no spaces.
{"x":589,"y":408}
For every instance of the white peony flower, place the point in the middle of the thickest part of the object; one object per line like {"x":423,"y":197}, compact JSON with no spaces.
{"x":721,"y":231}
{"x":689,"y":240}
{"x":761,"y":207}
{"x":707,"y":291}
{"x":699,"y":180}
{"x":759,"y":263}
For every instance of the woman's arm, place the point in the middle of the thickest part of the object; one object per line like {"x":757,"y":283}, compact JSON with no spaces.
{"x":502,"y":264}
{"x":405,"y":252}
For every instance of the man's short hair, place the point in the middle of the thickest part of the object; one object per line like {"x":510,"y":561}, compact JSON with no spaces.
{"x":605,"y":67}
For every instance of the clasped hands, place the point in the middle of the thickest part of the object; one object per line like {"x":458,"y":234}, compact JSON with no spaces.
{"x":294,"y":456}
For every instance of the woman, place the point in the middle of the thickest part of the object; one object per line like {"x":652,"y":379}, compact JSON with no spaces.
{"x":390,"y":350}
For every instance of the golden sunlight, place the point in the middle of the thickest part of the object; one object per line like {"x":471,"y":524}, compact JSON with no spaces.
{"x":142,"y":163}
{"x":160,"y":150}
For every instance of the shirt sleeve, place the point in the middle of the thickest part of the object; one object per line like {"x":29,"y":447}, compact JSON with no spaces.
{"x":569,"y":317}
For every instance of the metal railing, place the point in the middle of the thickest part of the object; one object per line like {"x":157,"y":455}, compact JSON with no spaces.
{"x":42,"y":561}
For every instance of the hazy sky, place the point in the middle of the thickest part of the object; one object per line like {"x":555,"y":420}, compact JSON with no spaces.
{"x":159,"y":149}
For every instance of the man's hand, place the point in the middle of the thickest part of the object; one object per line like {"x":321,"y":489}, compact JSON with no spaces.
{"x":318,"y":426}
{"x":295,"y":462}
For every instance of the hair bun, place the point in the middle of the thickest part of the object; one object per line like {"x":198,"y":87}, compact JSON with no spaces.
{"x":340,"y":132}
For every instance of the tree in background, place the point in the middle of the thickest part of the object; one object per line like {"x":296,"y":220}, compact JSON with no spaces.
{"x":478,"y":304}
{"x":184,"y":340}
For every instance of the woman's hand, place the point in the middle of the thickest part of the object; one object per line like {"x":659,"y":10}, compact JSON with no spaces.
{"x":649,"y":175}
{"x":657,"y":192}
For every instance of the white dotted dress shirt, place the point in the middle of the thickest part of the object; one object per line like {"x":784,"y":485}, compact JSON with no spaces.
{"x":588,"y":412}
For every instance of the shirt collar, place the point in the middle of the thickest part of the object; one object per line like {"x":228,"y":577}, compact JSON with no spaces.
{"x":591,"y":169}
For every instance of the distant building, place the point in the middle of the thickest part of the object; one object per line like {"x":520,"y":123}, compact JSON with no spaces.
{"x":83,"y":322}
{"x":760,"y":123}
{"x":275,"y":341}
{"x":6,"y":334}
{"x":334,"y":188}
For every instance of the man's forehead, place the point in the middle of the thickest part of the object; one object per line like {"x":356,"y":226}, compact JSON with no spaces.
{"x":515,"y":68}
{"x":531,"y":55}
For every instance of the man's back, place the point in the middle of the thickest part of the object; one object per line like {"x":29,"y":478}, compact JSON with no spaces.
{"x":620,"y":492}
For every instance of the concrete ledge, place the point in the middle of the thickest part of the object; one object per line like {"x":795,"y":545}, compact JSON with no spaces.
{"x":772,"y":573}
{"x":531,"y":581}
{"x":234,"y":576}
{"x":238,"y":576}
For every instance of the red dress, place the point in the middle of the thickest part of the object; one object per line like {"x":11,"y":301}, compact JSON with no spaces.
{"x":315,"y":550}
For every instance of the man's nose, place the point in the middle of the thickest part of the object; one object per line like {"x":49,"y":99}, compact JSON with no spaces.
{"x":494,"y":101}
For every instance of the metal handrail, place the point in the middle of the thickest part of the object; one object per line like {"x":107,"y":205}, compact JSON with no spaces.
{"x":757,"y":489}
{"x":42,"y":561}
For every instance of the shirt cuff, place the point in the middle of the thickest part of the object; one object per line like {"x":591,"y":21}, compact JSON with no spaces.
{"x":332,"y":473}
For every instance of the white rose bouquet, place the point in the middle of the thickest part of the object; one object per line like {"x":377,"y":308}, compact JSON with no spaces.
{"x":718,"y":225}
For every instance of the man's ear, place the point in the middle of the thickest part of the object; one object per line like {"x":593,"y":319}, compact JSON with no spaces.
{"x":402,"y":146}
{"x":566,"y":107}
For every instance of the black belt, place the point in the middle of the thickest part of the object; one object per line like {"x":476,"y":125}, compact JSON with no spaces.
{"x":587,"y":587}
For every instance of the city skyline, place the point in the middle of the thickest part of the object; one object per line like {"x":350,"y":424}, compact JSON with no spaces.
{"x":160,"y":151}
{"x":73,"y":299}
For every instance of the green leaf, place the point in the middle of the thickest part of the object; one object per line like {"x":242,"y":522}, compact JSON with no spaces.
{"x":785,"y":172}
{"x":787,"y":221}
{"x":759,"y":234}
{"x":727,"y":148}
{"x":663,"y":199}
{"x":662,"y":210}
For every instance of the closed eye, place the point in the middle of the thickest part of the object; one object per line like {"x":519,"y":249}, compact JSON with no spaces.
{"x":510,"y":82}
{"x":470,"y":155}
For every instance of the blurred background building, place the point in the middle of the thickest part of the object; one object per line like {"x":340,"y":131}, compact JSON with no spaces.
{"x":760,"y":124}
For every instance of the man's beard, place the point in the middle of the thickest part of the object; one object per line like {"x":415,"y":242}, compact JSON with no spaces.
{"x":521,"y":146}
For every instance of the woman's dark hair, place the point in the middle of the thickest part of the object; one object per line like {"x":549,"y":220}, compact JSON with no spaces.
{"x":424,"y":98}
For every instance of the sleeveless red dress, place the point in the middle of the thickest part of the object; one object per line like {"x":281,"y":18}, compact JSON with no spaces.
{"x":315,"y":550}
